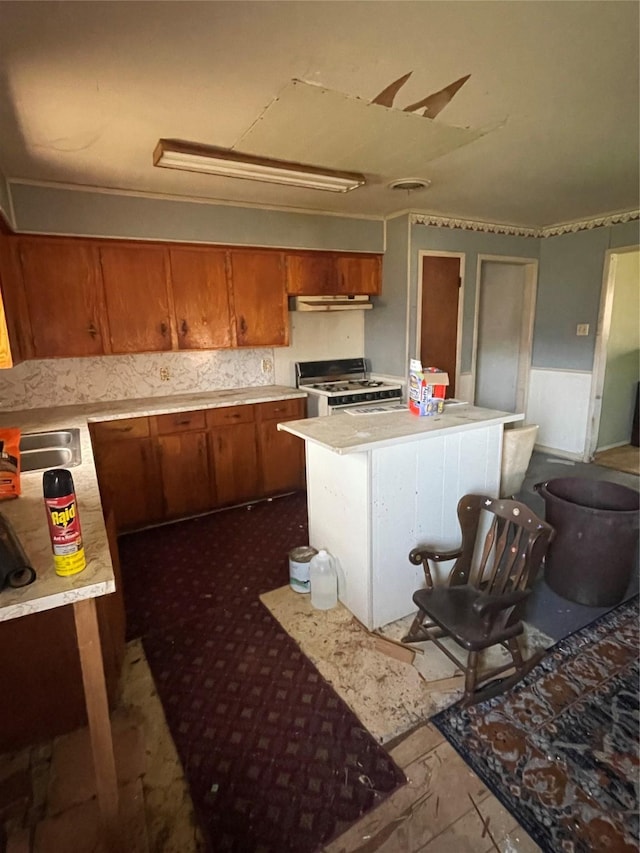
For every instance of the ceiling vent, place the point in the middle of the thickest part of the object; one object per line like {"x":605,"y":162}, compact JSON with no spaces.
{"x":410,"y":184}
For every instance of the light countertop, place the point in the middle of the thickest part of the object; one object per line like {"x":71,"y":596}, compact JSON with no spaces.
{"x":345,"y":433}
{"x":27,"y":513}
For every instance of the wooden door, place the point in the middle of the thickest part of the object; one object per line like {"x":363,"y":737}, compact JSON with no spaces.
{"x":312,"y":274}
{"x":64,"y":297}
{"x":137,"y":298}
{"x":184,"y":473}
{"x":439,"y":315}
{"x":358,"y":274}
{"x":235,"y":463}
{"x":282,"y":458}
{"x":259,"y":299}
{"x":201,"y":298}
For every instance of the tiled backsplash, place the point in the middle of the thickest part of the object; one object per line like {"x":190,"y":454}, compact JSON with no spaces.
{"x":66,"y":381}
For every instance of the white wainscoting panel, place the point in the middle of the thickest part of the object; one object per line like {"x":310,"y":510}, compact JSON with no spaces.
{"x":559,"y":404}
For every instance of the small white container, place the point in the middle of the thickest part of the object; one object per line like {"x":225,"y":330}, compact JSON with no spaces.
{"x":324,"y":581}
{"x":299,"y":563}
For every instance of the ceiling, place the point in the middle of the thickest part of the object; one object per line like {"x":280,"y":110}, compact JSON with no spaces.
{"x":548,"y":126}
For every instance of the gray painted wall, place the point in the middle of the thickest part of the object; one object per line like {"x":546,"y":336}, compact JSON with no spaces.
{"x":55,"y":210}
{"x":472,"y":244}
{"x":385,"y":326}
{"x":569,"y":286}
{"x":569,"y":290}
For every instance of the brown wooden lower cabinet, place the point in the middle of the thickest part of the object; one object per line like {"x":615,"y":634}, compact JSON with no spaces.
{"x":126,"y":465}
{"x":281,"y":454}
{"x":184,"y":474}
{"x":164,"y":467}
{"x":40,"y":678}
{"x":234,"y":461}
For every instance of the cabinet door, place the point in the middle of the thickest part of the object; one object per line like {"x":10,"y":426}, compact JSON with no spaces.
{"x":128,"y":481}
{"x":312,"y":274}
{"x":281,"y":454}
{"x":184,"y":473}
{"x":259,"y":299}
{"x":64,"y":299}
{"x":359,"y":274}
{"x":235,"y":463}
{"x":6,"y":357}
{"x":14,"y":303}
{"x":201,"y":298}
{"x":137,"y":298}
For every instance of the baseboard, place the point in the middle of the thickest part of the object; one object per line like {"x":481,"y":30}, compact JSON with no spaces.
{"x":563,"y":454}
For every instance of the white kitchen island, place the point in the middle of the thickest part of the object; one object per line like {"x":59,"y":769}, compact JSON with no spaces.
{"x":380,"y":484}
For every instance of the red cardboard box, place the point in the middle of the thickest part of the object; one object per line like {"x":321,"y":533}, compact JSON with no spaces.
{"x":427,"y":388}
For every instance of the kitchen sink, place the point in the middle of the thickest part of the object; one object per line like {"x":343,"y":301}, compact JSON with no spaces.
{"x":54,"y":449}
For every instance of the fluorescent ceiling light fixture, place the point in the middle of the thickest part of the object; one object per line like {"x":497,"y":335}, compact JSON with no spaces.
{"x":193,"y":157}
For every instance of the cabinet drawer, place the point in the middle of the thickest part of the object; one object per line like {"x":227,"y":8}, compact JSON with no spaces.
{"x":230,"y":415}
{"x":281,"y":409}
{"x":124,"y":428}
{"x":180,"y":422}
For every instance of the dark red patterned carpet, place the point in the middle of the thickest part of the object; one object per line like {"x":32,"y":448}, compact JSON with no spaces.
{"x":276,"y":761}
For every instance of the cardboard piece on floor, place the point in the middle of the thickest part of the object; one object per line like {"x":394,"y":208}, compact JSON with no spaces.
{"x":393,"y":649}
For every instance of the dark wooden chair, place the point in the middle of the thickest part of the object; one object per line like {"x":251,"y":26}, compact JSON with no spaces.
{"x":480,"y":605}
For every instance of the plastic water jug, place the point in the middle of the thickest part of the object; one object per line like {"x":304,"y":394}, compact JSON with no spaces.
{"x":324,"y":581}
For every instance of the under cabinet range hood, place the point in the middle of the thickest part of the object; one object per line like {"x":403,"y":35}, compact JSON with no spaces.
{"x":330,"y":303}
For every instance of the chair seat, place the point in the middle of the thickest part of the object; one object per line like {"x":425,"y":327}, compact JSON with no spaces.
{"x":451,"y":608}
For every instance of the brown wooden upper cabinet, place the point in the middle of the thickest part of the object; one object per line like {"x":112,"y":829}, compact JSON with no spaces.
{"x":13,"y":322}
{"x":332,"y":273}
{"x":136,"y":287}
{"x":201,"y":298}
{"x":63,"y":296}
{"x":259,"y":299}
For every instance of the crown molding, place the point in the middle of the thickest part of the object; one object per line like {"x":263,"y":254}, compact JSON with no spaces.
{"x":519,"y":230}
{"x":589,"y":224}
{"x":472,"y":225}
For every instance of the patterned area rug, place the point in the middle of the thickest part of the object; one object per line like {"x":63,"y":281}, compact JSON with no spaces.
{"x":560,"y":750}
{"x":275,"y":760}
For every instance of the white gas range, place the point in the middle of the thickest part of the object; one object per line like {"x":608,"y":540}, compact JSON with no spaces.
{"x":342,"y":385}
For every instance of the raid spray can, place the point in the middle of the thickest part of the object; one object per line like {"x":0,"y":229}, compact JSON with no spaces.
{"x":64,"y":522}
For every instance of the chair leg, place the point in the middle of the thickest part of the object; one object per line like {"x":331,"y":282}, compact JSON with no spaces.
{"x":495,"y":686}
{"x":514,"y":648}
{"x":417,"y":632}
{"x":470,"y":678}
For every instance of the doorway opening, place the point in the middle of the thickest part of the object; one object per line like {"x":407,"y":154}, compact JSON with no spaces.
{"x":613,"y":420}
{"x":503,"y":331}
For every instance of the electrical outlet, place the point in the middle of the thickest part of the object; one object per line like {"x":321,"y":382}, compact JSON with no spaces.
{"x":582,"y":329}
{"x":164,"y":374}
{"x":267,"y":365}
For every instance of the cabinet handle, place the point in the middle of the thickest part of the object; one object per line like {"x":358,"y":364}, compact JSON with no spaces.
{"x":183,"y":327}
{"x":243,"y":326}
{"x":92,"y":330}
{"x":183,"y":422}
{"x":123,"y":429}
{"x":163,"y":329}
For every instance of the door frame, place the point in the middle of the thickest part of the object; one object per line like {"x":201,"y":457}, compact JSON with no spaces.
{"x":422,"y":253}
{"x":600,"y":347}
{"x":526,"y":340}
